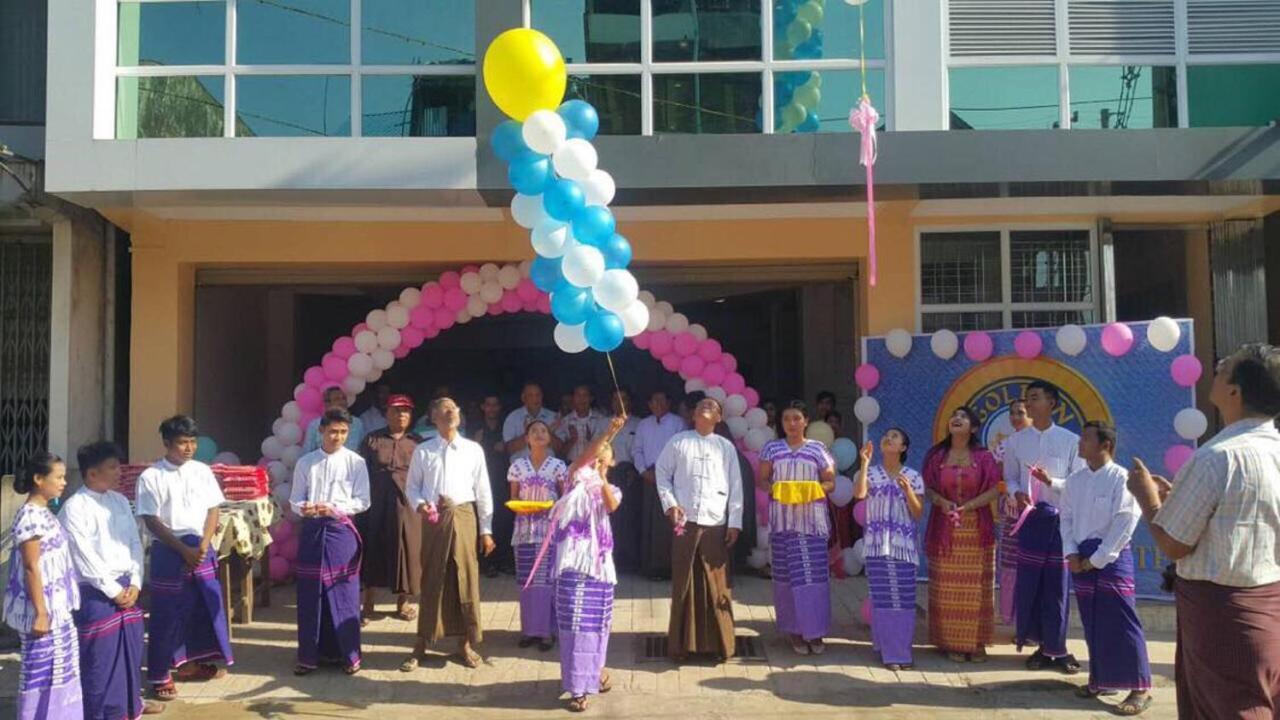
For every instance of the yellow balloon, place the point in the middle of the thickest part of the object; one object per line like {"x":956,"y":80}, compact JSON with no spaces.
{"x":524,"y":72}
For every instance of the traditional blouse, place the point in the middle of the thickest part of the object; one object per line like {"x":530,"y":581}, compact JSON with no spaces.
{"x":583,"y":534}
{"x":541,"y":484}
{"x":959,"y":485}
{"x":891,"y":531}
{"x":802,"y":464}
{"x":57,"y":573}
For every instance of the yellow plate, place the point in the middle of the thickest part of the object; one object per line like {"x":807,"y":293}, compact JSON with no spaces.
{"x":797,"y":492}
{"x":528,"y":507}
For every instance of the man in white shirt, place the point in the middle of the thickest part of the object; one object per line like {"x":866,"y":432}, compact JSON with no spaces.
{"x":449,"y":486}
{"x":374,"y":417}
{"x":178,"y":499}
{"x":700,"y":485}
{"x":578,"y":428}
{"x":335,"y":398}
{"x":107,"y":552}
{"x":329,"y":486}
{"x":1098,"y":517}
{"x":531,"y":409}
{"x":1041,"y":604}
{"x":652,"y":435}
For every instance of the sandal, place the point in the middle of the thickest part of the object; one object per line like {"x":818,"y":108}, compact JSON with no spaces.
{"x":407,"y":613}
{"x":351,"y":669}
{"x":799,"y":646}
{"x":1084,"y":692}
{"x":471,"y":659}
{"x":817,"y":647}
{"x":526,"y":641}
{"x":1131,"y":706}
{"x":1067,"y":664}
{"x":365,"y":620}
{"x":546,"y":645}
{"x":1037,"y":660}
{"x":978,"y":658}
{"x":410,"y":664}
{"x":893,"y":667}
{"x":165,"y":691}
{"x":302,"y":670}
{"x":956,"y":657}
{"x":606,"y":682}
{"x":151,"y":707}
{"x":200,"y":672}
{"x":578,"y":704}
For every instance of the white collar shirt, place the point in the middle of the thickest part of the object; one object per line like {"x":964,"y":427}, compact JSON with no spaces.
{"x":105,"y":543}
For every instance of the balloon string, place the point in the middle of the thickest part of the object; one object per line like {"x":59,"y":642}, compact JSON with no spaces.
{"x":617,"y":389}
{"x":862,"y":50}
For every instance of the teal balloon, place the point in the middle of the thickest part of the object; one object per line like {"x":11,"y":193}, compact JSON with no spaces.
{"x":545,"y":272}
{"x":206,"y":449}
{"x":562,"y":199}
{"x":594,"y":225}
{"x":529,"y":173}
{"x":508,"y":140}
{"x":604,"y":331}
{"x":580,"y":118}
{"x":571,"y":305}
{"x":617,"y":252}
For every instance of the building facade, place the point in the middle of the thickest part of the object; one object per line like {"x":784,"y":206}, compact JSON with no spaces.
{"x":279,"y":167}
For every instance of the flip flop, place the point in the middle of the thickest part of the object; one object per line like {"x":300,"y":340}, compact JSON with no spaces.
{"x":408,"y":614}
{"x":1067,"y":664}
{"x":472,"y":659}
{"x":1131,"y":707}
{"x":410,"y":664}
{"x":165,"y":691}
{"x":202,"y":671}
{"x":1037,"y":660}
{"x":578,"y":704}
{"x":351,"y":669}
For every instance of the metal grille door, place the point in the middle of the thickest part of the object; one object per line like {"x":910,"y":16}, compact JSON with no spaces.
{"x":26,"y":273}
{"x":1238,"y":260}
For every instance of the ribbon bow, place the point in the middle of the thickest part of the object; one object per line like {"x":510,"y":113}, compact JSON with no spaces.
{"x":864,"y":119}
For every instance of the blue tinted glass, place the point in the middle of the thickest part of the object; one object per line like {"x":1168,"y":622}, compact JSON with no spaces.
{"x":811,"y":30}
{"x":293,"y":32}
{"x":1233,"y":95}
{"x":192,"y":33}
{"x":615,"y":97}
{"x":697,"y":30}
{"x":294,"y":105}
{"x":836,"y":93}
{"x":1003,"y":98}
{"x":591,"y":31}
{"x":708,"y":103}
{"x":169,"y":107}
{"x":418,"y":32}
{"x":1127,"y":96}
{"x":418,"y":106}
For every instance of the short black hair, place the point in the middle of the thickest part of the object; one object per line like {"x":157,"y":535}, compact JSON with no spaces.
{"x":179,"y":426}
{"x":530,"y":383}
{"x":1256,"y":372}
{"x":39,"y":464}
{"x":94,"y":454}
{"x":665,"y":395}
{"x":1105,"y":431}
{"x":1048,"y":388}
{"x":834,"y":414}
{"x":336,"y":415}
{"x":906,"y":441}
{"x":692,"y":399}
{"x":826,"y":395}
{"x":797,"y":405}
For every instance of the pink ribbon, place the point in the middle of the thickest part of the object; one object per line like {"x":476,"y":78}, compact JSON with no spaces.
{"x":864,"y":119}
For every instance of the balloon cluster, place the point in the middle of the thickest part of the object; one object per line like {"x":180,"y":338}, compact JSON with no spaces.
{"x":798,"y":36}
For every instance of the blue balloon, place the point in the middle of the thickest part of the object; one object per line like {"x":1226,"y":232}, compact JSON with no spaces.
{"x":571,"y":305}
{"x":507,"y":140}
{"x":760,"y":119}
{"x":562,"y":199}
{"x":545,"y":272}
{"x":782,"y":93}
{"x":807,"y":50}
{"x":594,"y":225}
{"x":580,"y":118}
{"x":604,"y":331}
{"x":617,"y":252}
{"x":529,"y":173}
{"x":206,"y":449}
{"x":810,"y":124}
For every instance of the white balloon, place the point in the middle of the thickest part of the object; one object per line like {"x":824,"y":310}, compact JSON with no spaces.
{"x":397,"y":316}
{"x":373,"y":375}
{"x":361,"y":363}
{"x":757,"y":417}
{"x":758,"y":558}
{"x":657,"y":320}
{"x":851,"y":557}
{"x":635,"y":318}
{"x":617,"y":290}
{"x":491,"y":292}
{"x":388,"y":338}
{"x":289,"y":456}
{"x":718,"y":393}
{"x":677,"y":323}
{"x":698,"y":331}
{"x":575,"y":159}
{"x":758,"y":437}
{"x":410,"y":298}
{"x":509,"y":277}
{"x":527,"y":210}
{"x":298,"y":388}
{"x":695,"y":385}
{"x":599,"y":188}
{"x":570,"y":338}
{"x":647,"y":298}
{"x":470,"y":282}
{"x":735,"y":405}
{"x":866,"y":409}
{"x":278,"y":425}
{"x":738,"y":426}
{"x":366,"y":341}
{"x":1190,"y":423}
{"x":944,"y":344}
{"x":843,"y":493}
{"x":583,"y":265}
{"x":898,"y":342}
{"x":550,"y":238}
{"x":226,"y":457}
{"x":1163,"y":334}
{"x":376,"y":319}
{"x":353,"y":385}
{"x":544,"y":132}
{"x":383,"y":359}
{"x":525,"y":266}
{"x":463,"y":317}
{"x":666,"y":308}
{"x":276,"y":471}
{"x":1071,"y":339}
{"x":351,"y":398}
{"x":271,"y":448}
{"x":476,"y":305}
{"x":288,"y":434}
{"x":290,"y":411}
{"x":489,"y":271}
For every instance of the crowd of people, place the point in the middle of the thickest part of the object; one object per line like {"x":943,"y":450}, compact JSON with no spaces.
{"x":415,"y":512}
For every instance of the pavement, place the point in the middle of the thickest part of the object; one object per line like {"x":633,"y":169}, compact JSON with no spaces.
{"x":516,"y":683}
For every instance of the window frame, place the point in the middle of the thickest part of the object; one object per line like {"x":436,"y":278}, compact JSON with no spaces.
{"x":1006,"y":307}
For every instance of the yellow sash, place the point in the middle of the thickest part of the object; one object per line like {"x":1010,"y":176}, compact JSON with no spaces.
{"x":797,"y":492}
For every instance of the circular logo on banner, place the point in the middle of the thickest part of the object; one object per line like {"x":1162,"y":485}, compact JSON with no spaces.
{"x":989,"y":388}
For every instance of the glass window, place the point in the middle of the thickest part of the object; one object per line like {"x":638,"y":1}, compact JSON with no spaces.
{"x":1050,"y":266}
{"x":418,"y":32}
{"x":960,"y":268}
{"x":1001,"y":98}
{"x":294,"y":105}
{"x":837,"y":91}
{"x":169,"y":107}
{"x":834,"y":35}
{"x":596,"y":31}
{"x":961,"y":321}
{"x":418,"y":106}
{"x":615,"y":97}
{"x":296,"y":32}
{"x":171,"y":33}
{"x":1233,"y":95}
{"x":1050,"y":318}
{"x":705,"y":104}
{"x":697,"y":30}
{"x":1124,"y":96}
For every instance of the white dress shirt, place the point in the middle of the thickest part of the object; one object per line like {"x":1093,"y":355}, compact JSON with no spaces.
{"x":453,"y":469}
{"x":1056,"y":449}
{"x":1096,"y":505}
{"x":105,"y":542}
{"x":585,"y":430}
{"x":373,"y":419}
{"x":651,"y":437}
{"x":339,"y":479}
{"x":625,"y":440}
{"x":700,"y":474}
{"x":179,"y":496}
{"x":513,"y":427}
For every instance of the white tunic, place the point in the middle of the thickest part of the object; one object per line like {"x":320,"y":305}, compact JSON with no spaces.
{"x":1056,"y":449}
{"x":457,"y":471}
{"x":700,"y":474}
{"x":105,"y":542}
{"x":1096,"y":505}
{"x":179,"y":496}
{"x":339,"y":479}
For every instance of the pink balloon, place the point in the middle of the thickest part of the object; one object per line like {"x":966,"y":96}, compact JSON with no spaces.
{"x":431,"y":332}
{"x":421,"y":317}
{"x":864,"y":612}
{"x":432,"y":295}
{"x":411,"y":337}
{"x":455,"y":299}
{"x":1175,"y":457}
{"x":1028,"y":344}
{"x":691,"y":367}
{"x":359,"y":328}
{"x":867,"y":376}
{"x":642,"y":340}
{"x":314,"y":376}
{"x":281,"y":531}
{"x":279,"y":569}
{"x":511,"y":301}
{"x":344,"y":347}
{"x":308,"y":416}
{"x":544,"y":303}
{"x":714,"y":375}
{"x":671,"y":361}
{"x":527,"y":290}
{"x":978,"y":346}
{"x":400,"y":352}
{"x":660,"y":343}
{"x":710,"y":350}
{"x":445,"y":318}
{"x":685,"y":343}
{"x":752,"y":396}
{"x":733,"y":383}
{"x":470,"y":268}
{"x":1117,"y":338}
{"x":449,"y":280}
{"x":335,"y":368}
{"x":494,"y":309}
{"x":530,"y":305}
{"x":729,"y":362}
{"x":1186,"y":370}
{"x":860,"y":514}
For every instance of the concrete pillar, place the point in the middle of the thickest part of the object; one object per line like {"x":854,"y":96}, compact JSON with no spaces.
{"x":917,"y":66}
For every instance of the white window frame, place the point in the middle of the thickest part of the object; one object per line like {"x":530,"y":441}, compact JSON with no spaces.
{"x":1063,"y":59}
{"x":647,"y":67}
{"x":105,"y":117}
{"x":1006,"y":307}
